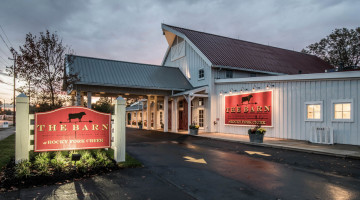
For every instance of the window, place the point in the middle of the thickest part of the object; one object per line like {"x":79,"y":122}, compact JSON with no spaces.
{"x":342,"y":110}
{"x":201,"y":118}
{"x":181,"y":104}
{"x":252,"y":75}
{"x":201,"y":74}
{"x":201,"y":101}
{"x":229,"y":74}
{"x":314,"y":111}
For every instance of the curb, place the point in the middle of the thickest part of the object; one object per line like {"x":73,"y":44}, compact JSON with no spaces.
{"x":285,"y":147}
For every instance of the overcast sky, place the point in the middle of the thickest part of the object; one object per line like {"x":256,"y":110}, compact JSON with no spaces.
{"x":131,"y":30}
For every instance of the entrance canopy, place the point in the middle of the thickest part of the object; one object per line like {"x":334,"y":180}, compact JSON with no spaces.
{"x":120,"y":78}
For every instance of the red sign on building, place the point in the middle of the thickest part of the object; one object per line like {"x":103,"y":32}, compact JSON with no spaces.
{"x":249,"y":109}
{"x":71,"y":128}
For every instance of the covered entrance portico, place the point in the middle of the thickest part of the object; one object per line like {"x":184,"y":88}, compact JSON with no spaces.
{"x":157,"y":87}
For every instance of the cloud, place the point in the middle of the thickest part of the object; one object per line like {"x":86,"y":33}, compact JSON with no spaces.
{"x":131,"y":31}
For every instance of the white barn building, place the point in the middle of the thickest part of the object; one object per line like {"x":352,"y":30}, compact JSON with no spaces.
{"x":201,"y":73}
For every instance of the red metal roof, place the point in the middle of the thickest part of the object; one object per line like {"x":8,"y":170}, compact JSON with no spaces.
{"x":224,"y":51}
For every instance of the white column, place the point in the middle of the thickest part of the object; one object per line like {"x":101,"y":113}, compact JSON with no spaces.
{"x":155,"y":112}
{"x":189,"y":111}
{"x":78,"y":98}
{"x":136,"y":119}
{"x":166,"y":114}
{"x":148,"y":110}
{"x":89,"y":99}
{"x":73,"y":100}
{"x":22,"y":136}
{"x":119,"y":130}
{"x":81,"y":100}
{"x":174,"y":112}
{"x":142,"y":115}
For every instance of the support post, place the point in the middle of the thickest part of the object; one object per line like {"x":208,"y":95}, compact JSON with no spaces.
{"x":119,"y":131}
{"x":136,"y":125}
{"x":189,"y":98}
{"x":174,"y":112}
{"x":166,"y":114}
{"x":22,"y":136}
{"x":78,"y":98}
{"x":155,"y":112}
{"x":148,"y":110}
{"x":142,"y":114}
{"x":89,"y":99}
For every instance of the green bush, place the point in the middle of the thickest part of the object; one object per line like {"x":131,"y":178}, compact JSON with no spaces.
{"x":59,"y":162}
{"x":42,"y":161}
{"x":102,"y":159}
{"x":22,"y":169}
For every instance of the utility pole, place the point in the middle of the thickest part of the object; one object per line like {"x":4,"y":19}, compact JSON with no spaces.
{"x":14,"y":71}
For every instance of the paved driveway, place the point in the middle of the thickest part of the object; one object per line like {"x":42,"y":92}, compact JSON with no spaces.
{"x":210,"y":169}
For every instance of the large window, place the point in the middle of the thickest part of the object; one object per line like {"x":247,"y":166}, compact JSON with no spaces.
{"x":342,"y":110}
{"x":314,"y":111}
{"x":201,"y":73}
{"x":201,"y":118}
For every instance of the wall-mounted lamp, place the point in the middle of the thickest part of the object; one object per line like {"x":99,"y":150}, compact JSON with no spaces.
{"x":231,"y":91}
{"x":254,"y":88}
{"x":243,"y":89}
{"x":222,"y":92}
{"x":269,"y":85}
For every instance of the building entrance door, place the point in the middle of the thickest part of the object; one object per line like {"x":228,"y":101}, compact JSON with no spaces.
{"x":183,"y":117}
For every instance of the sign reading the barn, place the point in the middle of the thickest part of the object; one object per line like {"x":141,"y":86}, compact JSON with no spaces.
{"x":71,"y":128}
{"x":249,"y":109}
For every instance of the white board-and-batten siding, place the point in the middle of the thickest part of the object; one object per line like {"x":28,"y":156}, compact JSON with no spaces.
{"x":289,"y":109}
{"x":190,"y":65}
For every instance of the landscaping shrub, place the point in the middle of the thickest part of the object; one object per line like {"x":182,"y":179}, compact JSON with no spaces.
{"x":22,"y":169}
{"x":59,"y":162}
{"x":42,"y":161}
{"x":55,"y":167}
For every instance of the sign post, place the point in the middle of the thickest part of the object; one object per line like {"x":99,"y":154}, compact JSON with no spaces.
{"x":119,"y":131}
{"x":22,"y":135}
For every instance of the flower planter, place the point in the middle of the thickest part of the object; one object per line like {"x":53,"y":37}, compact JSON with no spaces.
{"x":257,"y":138}
{"x":194,"y":131}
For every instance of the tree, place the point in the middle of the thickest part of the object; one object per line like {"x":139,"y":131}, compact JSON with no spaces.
{"x":104,"y":104}
{"x":41,"y":63}
{"x":340,"y":48}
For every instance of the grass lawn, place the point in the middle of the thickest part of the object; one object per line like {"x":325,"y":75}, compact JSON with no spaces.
{"x":7,"y":149}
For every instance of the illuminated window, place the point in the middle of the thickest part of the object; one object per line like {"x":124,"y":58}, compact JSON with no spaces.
{"x":201,"y":118}
{"x":201,"y":73}
{"x":342,"y":110}
{"x":313,"y":111}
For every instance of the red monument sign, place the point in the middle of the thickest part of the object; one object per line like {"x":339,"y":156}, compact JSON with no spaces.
{"x":249,"y":109}
{"x":71,"y":128}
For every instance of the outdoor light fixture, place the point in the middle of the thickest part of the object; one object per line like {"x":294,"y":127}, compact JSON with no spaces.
{"x":221,"y":92}
{"x":243,"y":89}
{"x":254,"y":88}
{"x":231,"y":91}
{"x":269,"y":85}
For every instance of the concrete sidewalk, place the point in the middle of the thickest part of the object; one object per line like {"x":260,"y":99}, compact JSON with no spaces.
{"x":6,"y":132}
{"x":339,"y":150}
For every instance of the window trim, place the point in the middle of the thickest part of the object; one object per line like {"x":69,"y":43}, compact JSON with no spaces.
{"x":321,"y":111}
{"x":333,"y":102}
{"x":202,"y":78}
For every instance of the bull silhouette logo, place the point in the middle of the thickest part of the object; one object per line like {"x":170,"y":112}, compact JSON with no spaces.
{"x":76,"y":116}
{"x":246,"y":99}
